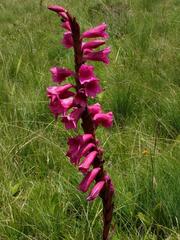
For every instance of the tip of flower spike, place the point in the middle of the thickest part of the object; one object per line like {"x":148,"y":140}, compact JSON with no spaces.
{"x":56,"y":8}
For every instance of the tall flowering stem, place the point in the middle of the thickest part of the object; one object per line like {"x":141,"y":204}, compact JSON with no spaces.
{"x":70,"y":103}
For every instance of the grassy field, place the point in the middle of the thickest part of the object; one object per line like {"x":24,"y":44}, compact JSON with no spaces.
{"x":39,"y":199}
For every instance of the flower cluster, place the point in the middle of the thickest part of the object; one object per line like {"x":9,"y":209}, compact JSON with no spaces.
{"x":69,"y":103}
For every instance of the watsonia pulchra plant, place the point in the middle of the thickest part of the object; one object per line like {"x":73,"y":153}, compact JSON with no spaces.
{"x":69,"y":102}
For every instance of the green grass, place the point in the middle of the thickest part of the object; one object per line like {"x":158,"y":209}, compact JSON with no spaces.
{"x":38,"y":186}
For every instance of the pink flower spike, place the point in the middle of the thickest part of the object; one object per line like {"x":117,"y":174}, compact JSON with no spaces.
{"x":88,"y":179}
{"x":89,"y":159}
{"x":92,"y":88}
{"x":67,"y":40}
{"x":100,"y":56}
{"x":66,"y":25}
{"x":56,"y":8}
{"x":104,"y":119}
{"x":98,"y":31}
{"x":93,"y":44}
{"x":96,"y":190}
{"x":94,"y":109}
{"x":86,"y":73}
{"x":71,"y":120}
{"x":60,"y":74}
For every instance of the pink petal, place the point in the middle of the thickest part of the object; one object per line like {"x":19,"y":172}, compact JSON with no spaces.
{"x":96,"y":190}
{"x":104,"y":119}
{"x":93,"y":44}
{"x":85,"y":165}
{"x":71,"y":120}
{"x":88,"y":179}
{"x":56,"y":8}
{"x":77,"y":145}
{"x":86,"y":138}
{"x":80,"y":99}
{"x":60,"y":106}
{"x":87,"y":149}
{"x":58,"y":90}
{"x":86,"y":73}
{"x":76,"y":142}
{"x":100,"y":56}
{"x":67,"y":102}
{"x":98,"y":31}
{"x":66,"y":25}
{"x":56,"y":108}
{"x":92,"y":88}
{"x":87,"y":51}
{"x":108,"y":180}
{"x":60,"y":74}
{"x":94,"y":109}
{"x":67,"y":40}
{"x":63,"y":15}
{"x":59,"y":10}
{"x":60,"y":99}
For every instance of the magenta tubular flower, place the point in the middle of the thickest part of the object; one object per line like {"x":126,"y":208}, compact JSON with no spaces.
{"x":88,"y":179}
{"x":63,"y":15}
{"x":93,"y":44}
{"x":58,"y":108}
{"x":70,"y":103}
{"x":70,"y":121}
{"x":99,"y":31}
{"x":96,"y":190}
{"x":104,"y":119}
{"x":87,"y":148}
{"x":56,"y":8}
{"x":66,"y":25}
{"x":79,"y":147}
{"x":89,"y":159}
{"x":58,"y":90}
{"x":62,"y":12}
{"x":61,"y":99}
{"x":76,"y":142}
{"x":94,"y":109}
{"x":100,"y":56}
{"x":67,"y":40}
{"x":80,"y":98}
{"x":92,"y":87}
{"x":86,"y":72}
{"x":60,"y":74}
